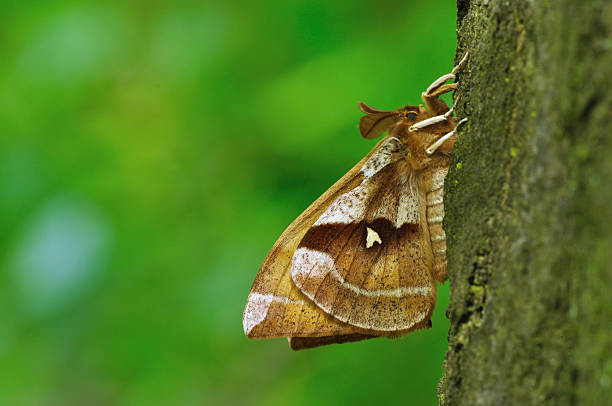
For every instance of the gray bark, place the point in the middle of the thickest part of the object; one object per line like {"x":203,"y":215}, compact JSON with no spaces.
{"x":529,"y":206}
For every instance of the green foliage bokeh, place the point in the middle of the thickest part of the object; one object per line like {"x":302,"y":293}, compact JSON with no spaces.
{"x":150,"y":155}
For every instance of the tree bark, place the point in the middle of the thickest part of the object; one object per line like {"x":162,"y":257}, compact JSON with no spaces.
{"x":529,"y":206}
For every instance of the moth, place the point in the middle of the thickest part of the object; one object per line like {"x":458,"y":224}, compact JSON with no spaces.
{"x":364,"y":259}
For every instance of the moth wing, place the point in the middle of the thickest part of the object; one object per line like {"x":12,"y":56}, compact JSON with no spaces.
{"x":275,"y":307}
{"x":367,"y":260}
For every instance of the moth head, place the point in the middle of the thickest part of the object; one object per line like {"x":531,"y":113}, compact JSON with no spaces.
{"x":411,"y":114}
{"x":376,"y":122}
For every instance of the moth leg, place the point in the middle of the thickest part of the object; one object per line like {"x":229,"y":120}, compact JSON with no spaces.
{"x":438,"y":87}
{"x":449,"y":87}
{"x":433,"y":147}
{"x":435,"y":119}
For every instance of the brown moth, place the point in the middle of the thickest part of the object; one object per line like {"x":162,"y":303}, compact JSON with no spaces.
{"x":364,"y":259}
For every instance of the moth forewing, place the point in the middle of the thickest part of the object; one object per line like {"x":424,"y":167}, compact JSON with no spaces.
{"x":390,"y":199}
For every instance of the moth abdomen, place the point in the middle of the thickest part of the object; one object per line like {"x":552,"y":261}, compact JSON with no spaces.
{"x":435,"y":215}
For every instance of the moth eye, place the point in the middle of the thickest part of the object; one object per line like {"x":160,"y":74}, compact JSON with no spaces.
{"x":411,"y":116}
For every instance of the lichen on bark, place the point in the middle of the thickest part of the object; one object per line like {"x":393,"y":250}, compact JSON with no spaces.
{"x":529,"y":206}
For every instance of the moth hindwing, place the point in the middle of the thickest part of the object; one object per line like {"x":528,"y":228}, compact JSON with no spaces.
{"x":364,"y":259}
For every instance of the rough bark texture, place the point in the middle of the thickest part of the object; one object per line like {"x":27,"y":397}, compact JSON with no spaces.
{"x":529,"y":206}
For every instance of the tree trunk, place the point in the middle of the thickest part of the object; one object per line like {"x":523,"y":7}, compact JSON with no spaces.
{"x":529,"y":206}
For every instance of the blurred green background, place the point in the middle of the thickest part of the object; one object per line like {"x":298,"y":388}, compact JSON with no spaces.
{"x":150,"y":155}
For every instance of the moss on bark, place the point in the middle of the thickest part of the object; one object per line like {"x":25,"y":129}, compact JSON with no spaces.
{"x":529,"y":206}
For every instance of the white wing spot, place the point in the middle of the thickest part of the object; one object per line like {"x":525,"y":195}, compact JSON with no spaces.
{"x":257,"y":308}
{"x":372,"y":237}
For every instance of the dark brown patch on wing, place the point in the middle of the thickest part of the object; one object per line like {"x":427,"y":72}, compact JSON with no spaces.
{"x":321,"y":237}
